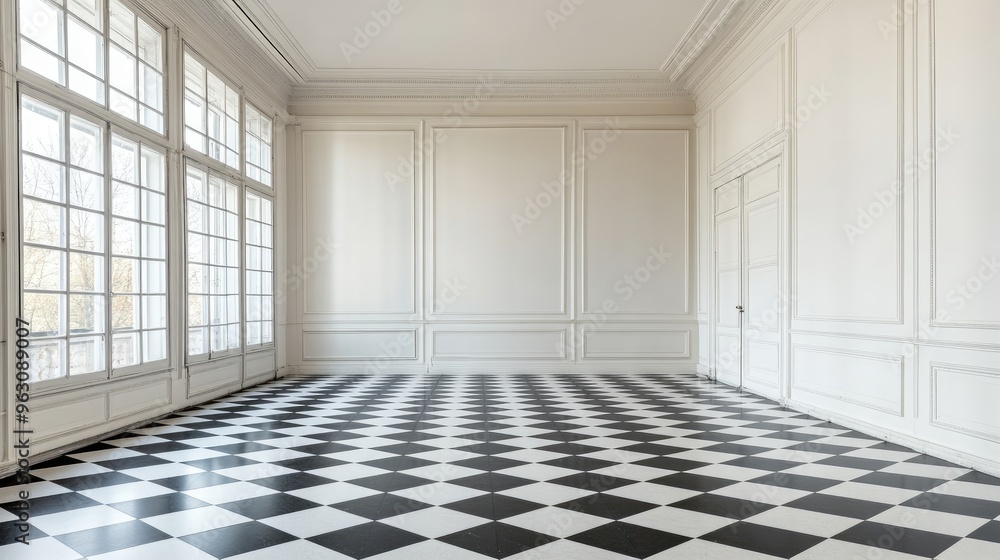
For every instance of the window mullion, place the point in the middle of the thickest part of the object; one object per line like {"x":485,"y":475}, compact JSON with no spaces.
{"x":109,"y":241}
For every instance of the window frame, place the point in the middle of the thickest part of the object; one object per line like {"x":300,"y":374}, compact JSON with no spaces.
{"x":34,"y":79}
{"x":190,"y":150}
{"x":268,"y":187}
{"x":209,"y":355}
{"x":108,"y":131}
{"x":259,"y":192}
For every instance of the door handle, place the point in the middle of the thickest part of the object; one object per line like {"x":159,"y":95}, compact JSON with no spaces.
{"x":739,"y":308}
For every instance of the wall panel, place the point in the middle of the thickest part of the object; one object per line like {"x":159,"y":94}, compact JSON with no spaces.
{"x":749,"y":114}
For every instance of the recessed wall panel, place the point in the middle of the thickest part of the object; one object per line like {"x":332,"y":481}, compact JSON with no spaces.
{"x":635,"y":222}
{"x":749,"y":114}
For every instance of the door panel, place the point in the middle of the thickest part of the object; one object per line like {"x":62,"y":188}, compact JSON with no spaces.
{"x":763,"y":301}
{"x":728,"y":283}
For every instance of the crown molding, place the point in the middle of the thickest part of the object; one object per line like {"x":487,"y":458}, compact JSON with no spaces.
{"x":208,"y":26}
{"x":651,"y":86}
{"x":725,"y":40}
{"x":709,"y":22}
{"x":275,"y":38}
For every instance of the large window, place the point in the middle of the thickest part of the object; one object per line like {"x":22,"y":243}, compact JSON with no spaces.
{"x":66,"y":256}
{"x":211,"y":113}
{"x":258,"y":146}
{"x":259,"y":271}
{"x":213,"y":270}
{"x":103,"y":51}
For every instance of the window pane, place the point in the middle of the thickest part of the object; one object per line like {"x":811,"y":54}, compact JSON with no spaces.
{"x":196,"y":341}
{"x":153,"y":207}
{"x":122,"y":26}
{"x":44,"y":224}
{"x":86,"y":190}
{"x":150,"y":45}
{"x":42,"y":23}
{"x":154,"y":346}
{"x":151,"y":119}
{"x":125,"y":350}
{"x":86,"y":273}
{"x":45,"y":313}
{"x":154,"y":277}
{"x":86,"y":85}
{"x":154,"y":312}
{"x":154,"y":242}
{"x":86,"y":48}
{"x":125,"y":313}
{"x":253,"y":333}
{"x":151,"y":88}
{"x":124,"y":160}
{"x":43,"y":179}
{"x":122,"y":74}
{"x":123,"y":105}
{"x":194,"y":75}
{"x":124,"y":276}
{"x":43,"y":269}
{"x":42,"y":129}
{"x":197,"y":248}
{"x":153,"y":169}
{"x":86,"y":231}
{"x":88,"y":11}
{"x":46,"y":359}
{"x":86,"y":145}
{"x":124,"y":200}
{"x":86,"y":314}
{"x":45,"y":64}
{"x":124,"y":238}
{"x":86,"y":355}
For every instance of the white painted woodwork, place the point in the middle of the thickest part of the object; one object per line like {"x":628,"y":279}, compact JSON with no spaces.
{"x":750,"y":114}
{"x":635,"y":223}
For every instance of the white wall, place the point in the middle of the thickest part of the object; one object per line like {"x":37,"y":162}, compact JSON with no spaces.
{"x":494,"y":243}
{"x":894,"y":313}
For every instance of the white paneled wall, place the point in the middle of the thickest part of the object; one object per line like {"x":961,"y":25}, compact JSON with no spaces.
{"x":892,"y":246}
{"x":499,"y":244}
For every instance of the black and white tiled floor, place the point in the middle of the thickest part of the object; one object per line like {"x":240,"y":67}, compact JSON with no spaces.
{"x":522,"y":467}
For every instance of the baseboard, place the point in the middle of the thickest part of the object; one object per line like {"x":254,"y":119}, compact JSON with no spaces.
{"x":920,"y":446}
{"x":494,"y":368}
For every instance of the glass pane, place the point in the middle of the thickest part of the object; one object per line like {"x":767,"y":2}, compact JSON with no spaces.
{"x":44,"y":224}
{"x":197,"y":248}
{"x":45,"y":64}
{"x":266,"y":236}
{"x":43,"y":269}
{"x":218,"y":310}
{"x":42,"y":129}
{"x":198,"y":279}
{"x":196,"y":184}
{"x":86,"y":85}
{"x":123,"y":104}
{"x":125,"y":350}
{"x":253,"y":308}
{"x":253,"y":258}
{"x":197,"y":311}
{"x":194,"y":75}
{"x":216,"y":93}
{"x":86,"y":273}
{"x":86,"y":231}
{"x":267,"y":259}
{"x":122,"y":71}
{"x":265,"y":129}
{"x":124,"y":200}
{"x":196,"y":341}
{"x":153,"y":169}
{"x":42,"y":23}
{"x":232,"y":135}
{"x":86,"y":314}
{"x":253,"y":120}
{"x":233,"y":336}
{"x":43,"y":179}
{"x":46,"y":359}
{"x":154,"y":242}
{"x":195,"y":140}
{"x":267,"y":307}
{"x":154,"y":312}
{"x":216,"y":192}
{"x":253,"y":172}
{"x":124,"y":160}
{"x":125,"y":313}
{"x":151,"y":119}
{"x":232,"y":198}
{"x":45,"y":313}
{"x":154,"y":277}
{"x":218,"y":222}
{"x":86,"y":148}
{"x":253,"y":334}
{"x":265,"y":210}
{"x":253,"y":283}
{"x":124,"y":238}
{"x":219,"y":342}
{"x":153,"y":207}
{"x":86,"y":355}
{"x":86,"y":190}
{"x":122,"y":26}
{"x":151,"y":87}
{"x":89,"y":11}
{"x":150,"y":45}
{"x":267,"y":332}
{"x":232,"y":103}
{"x":253,"y":207}
{"x":233,"y":281}
{"x":197,"y":217}
{"x":86,"y":48}
{"x":124,"y":276}
{"x":154,"y":346}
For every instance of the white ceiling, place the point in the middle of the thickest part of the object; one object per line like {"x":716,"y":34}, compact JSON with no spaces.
{"x":467,"y":36}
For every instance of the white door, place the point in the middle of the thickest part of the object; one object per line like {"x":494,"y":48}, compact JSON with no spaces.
{"x":729,"y":283}
{"x":762,"y":300}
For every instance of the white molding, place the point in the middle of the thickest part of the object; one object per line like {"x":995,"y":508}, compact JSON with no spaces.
{"x":897,"y":361}
{"x":708,"y":24}
{"x":492,"y":368}
{"x":935,"y":420}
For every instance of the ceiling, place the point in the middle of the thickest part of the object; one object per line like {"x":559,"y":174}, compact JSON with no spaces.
{"x":334,"y":38}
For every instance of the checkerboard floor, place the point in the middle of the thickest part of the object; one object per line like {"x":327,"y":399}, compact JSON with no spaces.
{"x":522,"y":467}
